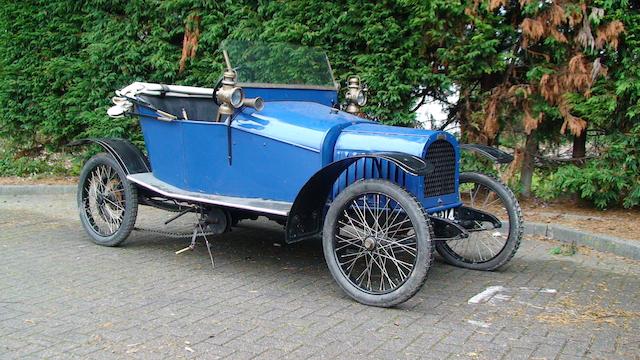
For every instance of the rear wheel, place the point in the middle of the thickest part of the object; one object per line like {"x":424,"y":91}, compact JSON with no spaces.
{"x":107,"y":201}
{"x":487,"y":247}
{"x":377,"y":242}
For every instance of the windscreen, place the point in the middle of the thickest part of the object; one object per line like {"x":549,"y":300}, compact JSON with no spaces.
{"x":279,"y":63}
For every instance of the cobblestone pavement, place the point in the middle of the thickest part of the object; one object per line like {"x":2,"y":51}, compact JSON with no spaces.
{"x":64,"y":297}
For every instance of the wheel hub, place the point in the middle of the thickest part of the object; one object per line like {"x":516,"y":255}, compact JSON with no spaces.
{"x":370,"y":243}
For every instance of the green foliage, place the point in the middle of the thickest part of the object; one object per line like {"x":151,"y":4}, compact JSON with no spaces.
{"x":623,"y":83}
{"x":30,"y":166}
{"x":22,"y":166}
{"x":474,"y":163}
{"x":61,"y":60}
{"x":613,"y":179}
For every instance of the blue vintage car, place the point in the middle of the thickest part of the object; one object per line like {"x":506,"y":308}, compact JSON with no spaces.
{"x":271,"y":139}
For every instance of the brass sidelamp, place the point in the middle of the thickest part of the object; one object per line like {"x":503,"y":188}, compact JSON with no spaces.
{"x":230,"y":96}
{"x":356,"y":95}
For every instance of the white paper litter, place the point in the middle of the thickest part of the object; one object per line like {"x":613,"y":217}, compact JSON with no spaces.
{"x":485,"y":295}
{"x":481,"y":324}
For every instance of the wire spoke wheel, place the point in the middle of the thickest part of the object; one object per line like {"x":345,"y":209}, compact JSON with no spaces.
{"x":103,"y":202}
{"x":106,"y":200}
{"x":487,"y":246}
{"x":377,"y":242}
{"x":485,"y":241}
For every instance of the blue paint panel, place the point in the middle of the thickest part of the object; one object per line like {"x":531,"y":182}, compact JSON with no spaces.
{"x":164,"y":146}
{"x":258,"y":168}
{"x":324,"y":97}
{"x":371,"y":137}
{"x":270,"y":169}
{"x":306,"y":124}
{"x":274,"y":152}
{"x":205,"y":160}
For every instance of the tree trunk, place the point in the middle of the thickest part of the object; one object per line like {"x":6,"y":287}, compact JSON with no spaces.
{"x":463,"y":116}
{"x":579,"y":147}
{"x":528,"y":165}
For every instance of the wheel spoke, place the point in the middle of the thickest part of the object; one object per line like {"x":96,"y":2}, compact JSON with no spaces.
{"x":397,"y":263}
{"x":375,"y":243}
{"x":486,"y":199}
{"x":348,"y":245}
{"x":395,"y":209}
{"x":397,"y":227}
{"x":364,"y":271}
{"x":353,"y":222}
{"x":356,"y":243}
{"x":357,"y":256}
{"x":347,"y":226}
{"x":361,"y":214}
{"x":114,"y":204}
{"x":352,"y":266}
{"x":404,"y":247}
{"x":372,"y":216}
{"x":103,"y":200}
{"x":481,"y":245}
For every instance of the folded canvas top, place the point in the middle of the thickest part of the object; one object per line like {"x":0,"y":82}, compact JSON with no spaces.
{"x":183,"y":102}
{"x":152,"y":89}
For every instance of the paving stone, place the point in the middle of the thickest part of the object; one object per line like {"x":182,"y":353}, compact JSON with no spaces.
{"x":546,"y":352}
{"x":516,"y":353}
{"x":575,"y":347}
{"x":63,"y":297}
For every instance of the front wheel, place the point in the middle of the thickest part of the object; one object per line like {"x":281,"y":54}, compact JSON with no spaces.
{"x":107,"y":201}
{"x":487,"y":247}
{"x":377,"y":242}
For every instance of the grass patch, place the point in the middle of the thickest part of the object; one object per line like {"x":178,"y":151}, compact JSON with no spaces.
{"x":564,"y":249}
{"x":44,"y":163}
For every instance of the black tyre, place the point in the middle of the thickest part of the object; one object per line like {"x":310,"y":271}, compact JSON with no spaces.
{"x":377,"y":242}
{"x":486,"y":248}
{"x":107,"y":201}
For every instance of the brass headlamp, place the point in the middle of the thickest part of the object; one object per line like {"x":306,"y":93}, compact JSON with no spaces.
{"x":356,"y":95}
{"x":230,"y":96}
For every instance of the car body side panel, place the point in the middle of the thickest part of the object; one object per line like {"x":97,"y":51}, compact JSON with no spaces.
{"x":274,"y":152}
{"x":164,"y":145}
{"x":205,"y":157}
{"x":260,"y":167}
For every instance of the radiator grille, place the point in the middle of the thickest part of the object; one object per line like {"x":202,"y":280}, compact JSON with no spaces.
{"x":442,"y":180}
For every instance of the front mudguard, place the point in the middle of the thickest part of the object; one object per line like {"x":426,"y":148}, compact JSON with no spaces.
{"x":305,"y":219}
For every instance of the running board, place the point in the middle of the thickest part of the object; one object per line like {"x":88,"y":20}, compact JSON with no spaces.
{"x":148,"y":181}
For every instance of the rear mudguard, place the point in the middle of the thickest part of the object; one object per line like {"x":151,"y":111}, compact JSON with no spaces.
{"x":305,"y":218}
{"x":126,"y":154}
{"x":491,"y":153}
